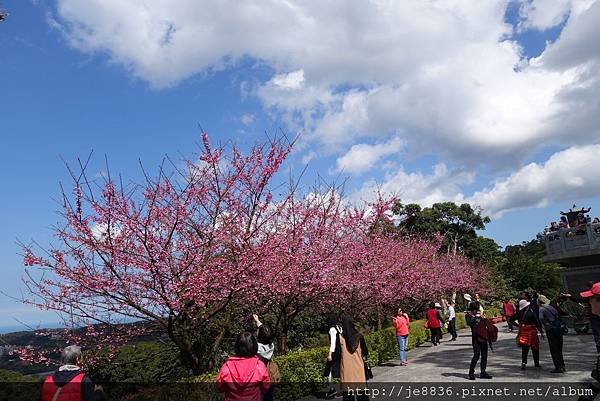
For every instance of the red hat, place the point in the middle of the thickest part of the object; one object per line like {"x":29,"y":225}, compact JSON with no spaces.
{"x":595,"y":290}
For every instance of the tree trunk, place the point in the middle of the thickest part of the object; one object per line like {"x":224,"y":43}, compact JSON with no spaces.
{"x":379,"y":325}
{"x":282,"y":344}
{"x":455,"y":244}
{"x":215,"y":349}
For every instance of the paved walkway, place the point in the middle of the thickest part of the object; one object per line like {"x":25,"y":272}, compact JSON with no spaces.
{"x":448,"y":365}
{"x":449,"y":361}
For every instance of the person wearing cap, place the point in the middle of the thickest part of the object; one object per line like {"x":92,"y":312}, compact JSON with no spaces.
{"x":550,"y":319}
{"x":593,"y":296}
{"x":529,"y":325}
{"x":480,"y":346}
{"x":594,"y":319}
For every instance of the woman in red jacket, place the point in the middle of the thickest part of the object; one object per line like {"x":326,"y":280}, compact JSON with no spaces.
{"x":244,"y":377}
{"x":400,"y":322}
{"x":434,"y":323}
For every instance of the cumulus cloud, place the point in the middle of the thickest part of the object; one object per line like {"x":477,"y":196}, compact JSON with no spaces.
{"x":362,"y":157}
{"x":444,"y":78}
{"x":567,"y":175}
{"x":442,"y":184}
{"x":543,"y":14}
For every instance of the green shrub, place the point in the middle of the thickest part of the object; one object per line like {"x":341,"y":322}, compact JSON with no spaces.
{"x":17,"y":387}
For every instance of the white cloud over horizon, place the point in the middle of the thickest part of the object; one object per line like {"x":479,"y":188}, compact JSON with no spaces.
{"x":367,"y":81}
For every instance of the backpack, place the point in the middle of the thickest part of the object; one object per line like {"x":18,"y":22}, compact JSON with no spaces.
{"x":273,"y":369}
{"x":558,"y":326}
{"x":487,"y":331}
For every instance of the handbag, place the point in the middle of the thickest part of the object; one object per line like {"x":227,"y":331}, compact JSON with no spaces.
{"x":368,"y":371}
{"x":274,"y":373}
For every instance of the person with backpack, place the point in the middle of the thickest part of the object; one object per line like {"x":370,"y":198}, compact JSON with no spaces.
{"x":264,"y":338}
{"x":332,"y":366}
{"x":529,"y":325}
{"x":555,"y":329}
{"x":69,"y":382}
{"x":400,"y":322}
{"x":244,"y":377}
{"x":509,"y":311}
{"x":479,"y":340}
{"x":434,"y":322}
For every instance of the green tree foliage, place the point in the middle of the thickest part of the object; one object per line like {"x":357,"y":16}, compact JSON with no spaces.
{"x":523,"y":267}
{"x":457,"y":223}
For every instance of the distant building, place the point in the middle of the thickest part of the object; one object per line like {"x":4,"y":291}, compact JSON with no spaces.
{"x":576,"y":248}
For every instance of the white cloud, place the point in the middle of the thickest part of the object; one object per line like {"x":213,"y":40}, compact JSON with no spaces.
{"x":567,"y":176}
{"x":247,"y":119}
{"x":362,"y":157}
{"x":292,"y":80}
{"x":543,"y":14}
{"x":441,"y":185}
{"x":443,"y":77}
{"x":438,"y":73}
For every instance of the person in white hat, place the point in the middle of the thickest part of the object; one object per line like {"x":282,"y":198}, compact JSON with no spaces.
{"x":529,"y":325}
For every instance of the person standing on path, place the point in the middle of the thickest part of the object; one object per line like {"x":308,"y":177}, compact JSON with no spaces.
{"x":480,"y":346}
{"x":332,"y":368}
{"x":353,"y":353}
{"x":434,"y":323}
{"x":593,"y":295}
{"x":508,"y":311}
{"x":400,"y":322}
{"x":550,"y":319}
{"x":264,"y":338}
{"x":452,"y":320}
{"x":529,"y":325}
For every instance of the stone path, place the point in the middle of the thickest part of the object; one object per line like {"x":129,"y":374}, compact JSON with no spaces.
{"x":449,"y":361}
{"x":447,"y":366}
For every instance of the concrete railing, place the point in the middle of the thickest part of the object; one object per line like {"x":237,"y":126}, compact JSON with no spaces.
{"x":568,"y":239}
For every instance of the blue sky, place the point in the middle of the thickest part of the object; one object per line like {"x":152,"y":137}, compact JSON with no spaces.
{"x":75,"y":79}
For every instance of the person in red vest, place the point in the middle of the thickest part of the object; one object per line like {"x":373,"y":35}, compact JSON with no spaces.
{"x":434,"y":323}
{"x":509,"y":310}
{"x":69,"y":382}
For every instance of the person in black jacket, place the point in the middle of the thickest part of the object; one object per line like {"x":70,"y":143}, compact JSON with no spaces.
{"x":480,"y":347}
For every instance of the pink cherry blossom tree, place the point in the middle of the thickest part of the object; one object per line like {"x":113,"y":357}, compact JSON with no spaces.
{"x":177,"y":251}
{"x":189,"y":250}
